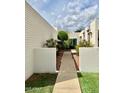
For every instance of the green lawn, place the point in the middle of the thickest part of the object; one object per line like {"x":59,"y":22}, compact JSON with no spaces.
{"x":44,"y":83}
{"x":40,"y":83}
{"x":89,"y":82}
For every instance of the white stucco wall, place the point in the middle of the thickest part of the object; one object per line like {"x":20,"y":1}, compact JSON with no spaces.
{"x":37,"y":31}
{"x":89,"y":59}
{"x":45,"y":60}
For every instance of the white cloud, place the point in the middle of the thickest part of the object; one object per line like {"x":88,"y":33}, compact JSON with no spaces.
{"x":44,"y":12}
{"x":72,"y":15}
{"x":63,"y":9}
{"x":35,"y":0}
{"x":75,"y":16}
{"x":45,"y":1}
{"x":59,"y":16}
{"x":73,"y":4}
{"x":52,"y":13}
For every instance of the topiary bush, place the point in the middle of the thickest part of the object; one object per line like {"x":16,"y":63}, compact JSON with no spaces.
{"x":62,"y":36}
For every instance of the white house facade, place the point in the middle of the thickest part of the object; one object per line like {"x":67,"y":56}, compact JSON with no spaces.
{"x":37,"y":31}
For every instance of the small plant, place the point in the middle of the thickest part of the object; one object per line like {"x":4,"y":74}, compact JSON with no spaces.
{"x":66,"y":44}
{"x":77,"y":49}
{"x":85,"y":43}
{"x":50,"y":43}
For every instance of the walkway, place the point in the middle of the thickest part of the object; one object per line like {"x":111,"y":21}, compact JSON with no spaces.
{"x":67,"y":80}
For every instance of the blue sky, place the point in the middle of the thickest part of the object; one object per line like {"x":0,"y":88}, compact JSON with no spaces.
{"x":68,"y":15}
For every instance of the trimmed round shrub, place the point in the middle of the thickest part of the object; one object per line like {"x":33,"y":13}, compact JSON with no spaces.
{"x":62,"y":35}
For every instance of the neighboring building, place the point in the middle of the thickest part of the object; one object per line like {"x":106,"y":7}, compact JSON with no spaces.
{"x":37,"y":31}
{"x":94,"y":28}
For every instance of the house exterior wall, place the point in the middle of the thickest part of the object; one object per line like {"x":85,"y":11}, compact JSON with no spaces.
{"x":37,"y":31}
{"x":94,"y":30}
